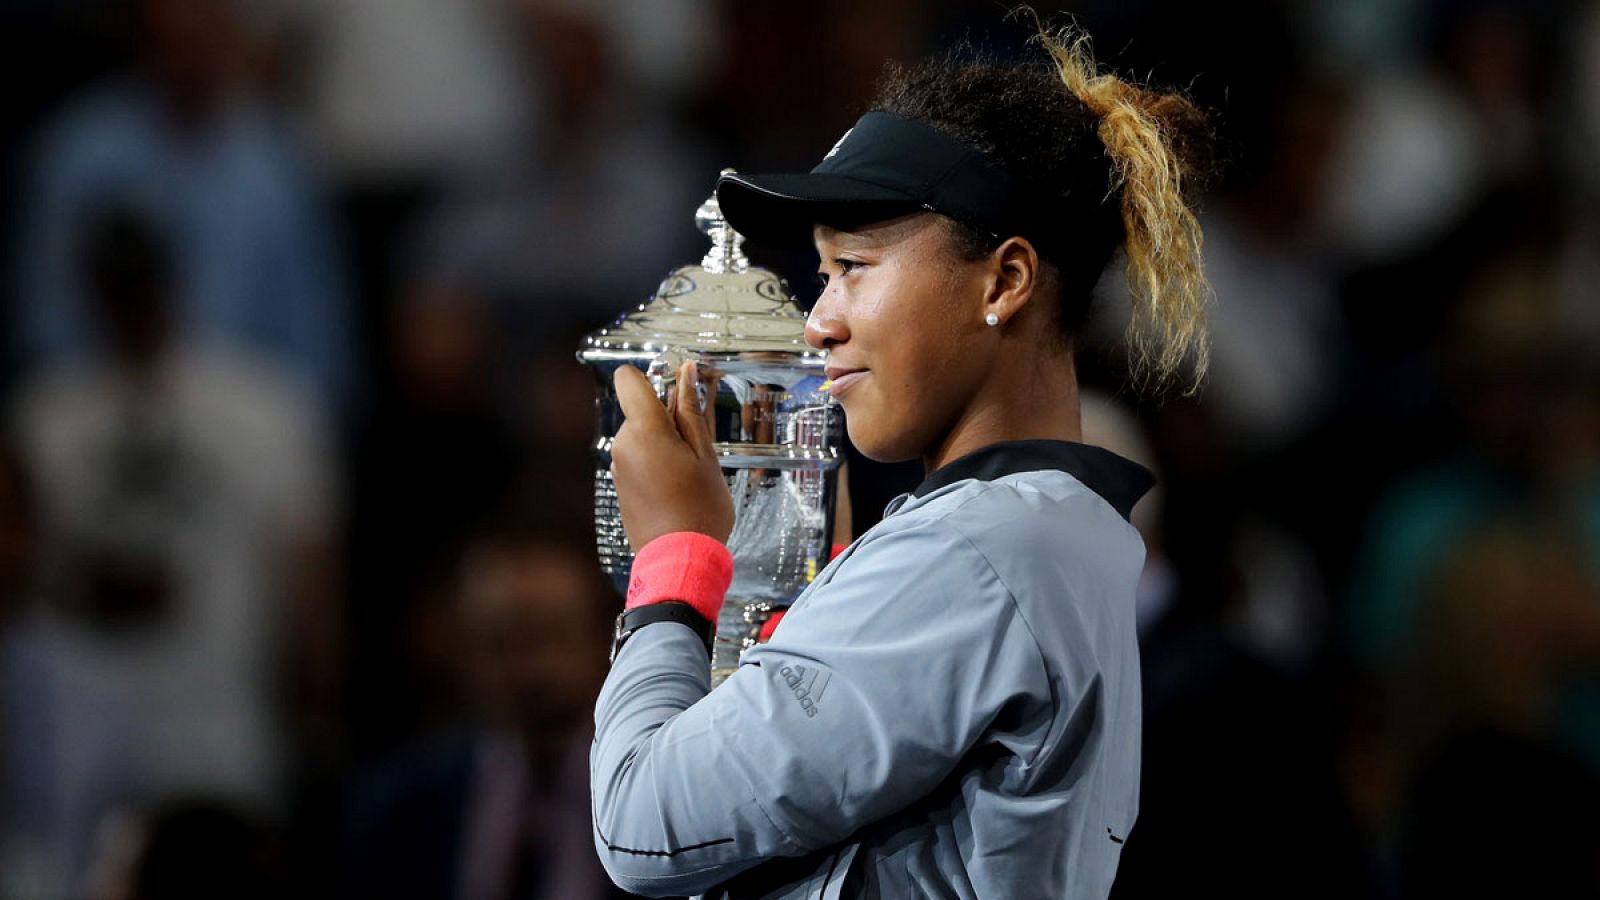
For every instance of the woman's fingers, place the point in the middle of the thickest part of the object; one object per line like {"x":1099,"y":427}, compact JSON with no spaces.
{"x":682,"y":414}
{"x":694,"y":422}
{"x":711,"y":378}
{"x":664,"y":462}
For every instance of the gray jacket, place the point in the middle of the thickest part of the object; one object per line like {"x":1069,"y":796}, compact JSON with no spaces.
{"x":950,"y":710}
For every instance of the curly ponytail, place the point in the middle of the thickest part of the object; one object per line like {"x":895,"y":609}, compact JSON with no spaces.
{"x":1151,"y":139}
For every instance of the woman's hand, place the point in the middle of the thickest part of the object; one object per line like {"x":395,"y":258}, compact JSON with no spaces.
{"x":664,"y":462}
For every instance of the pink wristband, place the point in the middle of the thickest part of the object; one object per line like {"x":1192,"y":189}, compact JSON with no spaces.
{"x":684,"y":565}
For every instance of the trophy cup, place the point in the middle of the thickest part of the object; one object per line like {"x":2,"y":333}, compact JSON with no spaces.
{"x":777,"y":427}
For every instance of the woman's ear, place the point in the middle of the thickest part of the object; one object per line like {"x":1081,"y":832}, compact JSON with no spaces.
{"x":1016,"y":269}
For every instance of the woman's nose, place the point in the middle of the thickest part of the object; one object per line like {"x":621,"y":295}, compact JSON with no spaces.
{"x":823,"y":328}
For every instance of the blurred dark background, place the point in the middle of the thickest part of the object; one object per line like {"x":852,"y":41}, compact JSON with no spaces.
{"x":297,"y":588}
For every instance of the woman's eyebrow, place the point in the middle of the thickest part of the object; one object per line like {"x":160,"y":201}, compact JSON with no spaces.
{"x":846,"y":242}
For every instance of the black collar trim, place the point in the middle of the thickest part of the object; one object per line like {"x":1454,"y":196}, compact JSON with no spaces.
{"x":1120,"y":482}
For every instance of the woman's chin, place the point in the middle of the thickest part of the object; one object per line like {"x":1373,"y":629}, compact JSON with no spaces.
{"x":878,"y":446}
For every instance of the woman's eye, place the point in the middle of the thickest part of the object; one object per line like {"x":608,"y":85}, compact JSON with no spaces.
{"x":845,"y":267}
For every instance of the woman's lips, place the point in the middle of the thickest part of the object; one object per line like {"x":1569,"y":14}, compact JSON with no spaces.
{"x":841,"y":383}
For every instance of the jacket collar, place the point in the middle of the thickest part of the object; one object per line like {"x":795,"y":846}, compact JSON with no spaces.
{"x":1118,"y":481}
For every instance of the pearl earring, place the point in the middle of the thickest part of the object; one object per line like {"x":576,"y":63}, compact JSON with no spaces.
{"x":991,"y":320}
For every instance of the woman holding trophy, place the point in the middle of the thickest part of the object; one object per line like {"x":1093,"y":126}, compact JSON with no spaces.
{"x":952,"y":707}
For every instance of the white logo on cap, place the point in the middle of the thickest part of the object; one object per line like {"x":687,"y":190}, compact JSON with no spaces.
{"x":839,"y":143}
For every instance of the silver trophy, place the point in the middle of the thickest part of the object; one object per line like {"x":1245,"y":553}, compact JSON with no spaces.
{"x":777,"y":427}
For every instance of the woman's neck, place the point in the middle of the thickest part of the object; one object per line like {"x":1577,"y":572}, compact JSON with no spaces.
{"x":1027,"y":397}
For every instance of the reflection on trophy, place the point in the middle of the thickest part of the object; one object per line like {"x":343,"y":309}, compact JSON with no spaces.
{"x":777,"y":428}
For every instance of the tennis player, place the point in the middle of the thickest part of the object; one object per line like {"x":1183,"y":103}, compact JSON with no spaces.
{"x":952,"y":708}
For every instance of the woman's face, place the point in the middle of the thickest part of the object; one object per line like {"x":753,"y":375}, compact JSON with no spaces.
{"x":898,"y":313}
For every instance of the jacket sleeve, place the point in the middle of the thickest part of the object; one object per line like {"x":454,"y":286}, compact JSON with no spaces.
{"x":878,"y":682}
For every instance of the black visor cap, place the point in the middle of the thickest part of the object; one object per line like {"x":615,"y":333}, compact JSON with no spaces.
{"x":781,"y":210}
{"x":885,"y":166}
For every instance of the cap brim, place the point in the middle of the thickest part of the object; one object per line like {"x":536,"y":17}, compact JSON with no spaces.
{"x":783,"y":209}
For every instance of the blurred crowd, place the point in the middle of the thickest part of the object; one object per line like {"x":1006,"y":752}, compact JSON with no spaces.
{"x":297,"y":584}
